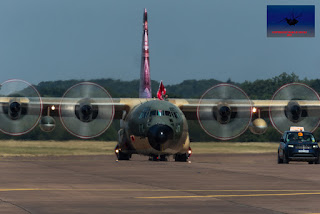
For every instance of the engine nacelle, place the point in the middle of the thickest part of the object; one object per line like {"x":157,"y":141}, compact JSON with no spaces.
{"x":86,"y":111}
{"x":258,"y":126}
{"x":222,"y":113}
{"x":294,"y":112}
{"x":14,"y":109}
{"x":21,"y":107}
{"x":47,"y":124}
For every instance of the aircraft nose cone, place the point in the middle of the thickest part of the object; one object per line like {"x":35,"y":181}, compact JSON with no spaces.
{"x":159,"y":134}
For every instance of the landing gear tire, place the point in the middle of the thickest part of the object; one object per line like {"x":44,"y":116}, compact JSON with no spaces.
{"x":181,"y":157}
{"x":123,"y":156}
{"x":310,"y":162}
{"x":163,"y":158}
{"x":153,"y":158}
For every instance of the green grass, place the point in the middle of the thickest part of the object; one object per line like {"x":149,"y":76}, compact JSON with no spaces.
{"x":55,"y":148}
{"x":229,"y":147}
{"x":61,"y":148}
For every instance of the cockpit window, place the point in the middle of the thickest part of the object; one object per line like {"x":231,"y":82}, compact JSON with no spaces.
{"x":144,"y":113}
{"x":167,"y":113}
{"x":174,"y":113}
{"x":159,"y":113}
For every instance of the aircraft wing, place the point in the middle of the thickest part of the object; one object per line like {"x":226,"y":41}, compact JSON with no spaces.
{"x":120,"y":104}
{"x":215,"y":114}
{"x":189,"y":106}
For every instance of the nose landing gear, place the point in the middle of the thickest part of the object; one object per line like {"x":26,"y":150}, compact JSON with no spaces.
{"x":158,"y":158}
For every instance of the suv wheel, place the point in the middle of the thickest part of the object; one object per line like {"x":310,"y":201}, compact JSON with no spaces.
{"x":285,"y":159}
{"x":317,"y":161}
{"x":280,"y":161}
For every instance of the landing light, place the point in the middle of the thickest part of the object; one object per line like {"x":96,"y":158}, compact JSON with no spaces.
{"x":254,"y":109}
{"x":117,"y":151}
{"x":53,"y":108}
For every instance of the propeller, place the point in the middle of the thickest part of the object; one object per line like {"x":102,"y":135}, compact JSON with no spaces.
{"x":21,"y":107}
{"x":86,"y":110}
{"x":295,"y":104}
{"x":224,"y":111}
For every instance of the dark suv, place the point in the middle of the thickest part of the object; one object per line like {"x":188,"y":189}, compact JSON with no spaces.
{"x":298,"y":146}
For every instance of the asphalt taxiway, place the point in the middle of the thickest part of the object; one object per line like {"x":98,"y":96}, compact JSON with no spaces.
{"x":215,"y":183}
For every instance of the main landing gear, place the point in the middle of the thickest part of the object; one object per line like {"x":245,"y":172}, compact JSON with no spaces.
{"x":120,"y":155}
{"x":183,"y":157}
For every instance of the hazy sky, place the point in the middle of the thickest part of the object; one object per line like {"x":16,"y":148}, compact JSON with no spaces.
{"x":43,"y":40}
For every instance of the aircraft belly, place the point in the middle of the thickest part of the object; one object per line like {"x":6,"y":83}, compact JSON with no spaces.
{"x":142,"y":146}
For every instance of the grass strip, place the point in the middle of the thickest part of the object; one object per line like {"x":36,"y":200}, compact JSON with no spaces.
{"x":61,"y":148}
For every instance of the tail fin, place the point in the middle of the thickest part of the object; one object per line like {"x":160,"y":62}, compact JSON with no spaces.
{"x":145,"y":82}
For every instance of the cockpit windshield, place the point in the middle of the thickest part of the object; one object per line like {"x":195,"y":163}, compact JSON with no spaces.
{"x":160,"y":113}
{"x":151,"y":113}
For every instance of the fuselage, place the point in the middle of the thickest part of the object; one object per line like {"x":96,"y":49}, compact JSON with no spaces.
{"x":154,"y":127}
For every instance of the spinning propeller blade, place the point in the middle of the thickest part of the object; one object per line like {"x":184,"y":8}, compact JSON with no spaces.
{"x":86,"y":110}
{"x":21,"y":107}
{"x":301,"y":109}
{"x":224,"y":111}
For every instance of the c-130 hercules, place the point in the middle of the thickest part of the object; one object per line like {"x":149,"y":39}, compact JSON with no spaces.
{"x":152,"y":127}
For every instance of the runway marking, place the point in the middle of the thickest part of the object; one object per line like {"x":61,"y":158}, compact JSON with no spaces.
{"x":225,"y":196}
{"x":315,"y":192}
{"x":285,"y":192}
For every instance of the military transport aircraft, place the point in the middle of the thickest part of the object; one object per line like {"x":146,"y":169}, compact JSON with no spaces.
{"x":155,"y":127}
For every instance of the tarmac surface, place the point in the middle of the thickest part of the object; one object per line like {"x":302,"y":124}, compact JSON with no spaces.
{"x":211,"y":183}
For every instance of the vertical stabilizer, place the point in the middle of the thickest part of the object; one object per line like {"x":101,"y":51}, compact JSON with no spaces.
{"x":145,"y":82}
